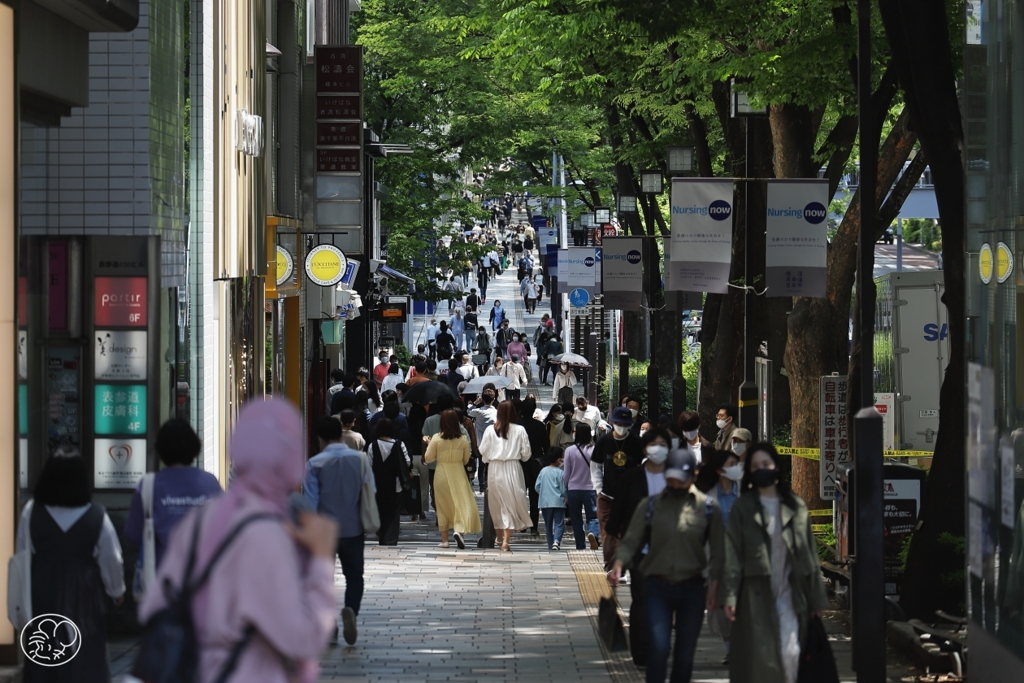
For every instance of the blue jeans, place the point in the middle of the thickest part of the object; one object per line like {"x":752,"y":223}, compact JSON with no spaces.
{"x":458,"y":342}
{"x":350,"y":553}
{"x":470,"y":340}
{"x":580,"y":501}
{"x":554,"y":524}
{"x":686,"y":602}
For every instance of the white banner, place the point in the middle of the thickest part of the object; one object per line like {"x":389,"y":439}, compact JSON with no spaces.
{"x":797,"y":239}
{"x":546,"y":235}
{"x":119,"y":463}
{"x":701,"y":234}
{"x":622,"y":272}
{"x":580,"y":267}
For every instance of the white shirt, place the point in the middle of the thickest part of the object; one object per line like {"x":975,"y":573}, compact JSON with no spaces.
{"x":515,"y":447}
{"x":468,"y":371}
{"x":592,"y":416}
{"x":432,"y":331}
{"x":514,"y":372}
{"x":107,"y":552}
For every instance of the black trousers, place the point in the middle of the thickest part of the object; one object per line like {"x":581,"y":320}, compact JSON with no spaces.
{"x":639,"y":630}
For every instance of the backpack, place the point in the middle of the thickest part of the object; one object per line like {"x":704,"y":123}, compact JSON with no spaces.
{"x":169,"y":652}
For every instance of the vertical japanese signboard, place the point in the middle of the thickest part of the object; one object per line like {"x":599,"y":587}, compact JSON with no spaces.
{"x":797,"y":240}
{"x":833,"y":433}
{"x":701,"y":235}
{"x":339,"y":136}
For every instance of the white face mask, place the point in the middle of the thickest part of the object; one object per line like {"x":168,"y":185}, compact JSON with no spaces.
{"x":734,"y":473}
{"x":739,"y":448}
{"x":642,"y":432}
{"x":721,"y":423}
{"x":634,"y":412}
{"x":621,"y":430}
{"x":690,"y":436}
{"x":657,"y":454}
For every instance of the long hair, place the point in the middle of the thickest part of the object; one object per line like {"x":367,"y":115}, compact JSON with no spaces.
{"x":506,"y":417}
{"x":567,"y":423}
{"x":450,"y":425}
{"x":584,"y":435}
{"x":785,"y":494}
{"x":712,"y":461}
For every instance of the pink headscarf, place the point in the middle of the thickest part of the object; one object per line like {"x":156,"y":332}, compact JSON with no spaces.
{"x":267,"y":451}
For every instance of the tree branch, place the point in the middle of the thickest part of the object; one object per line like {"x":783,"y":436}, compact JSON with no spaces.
{"x":900,"y":191}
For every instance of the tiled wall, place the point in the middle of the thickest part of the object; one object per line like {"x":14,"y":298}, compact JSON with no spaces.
{"x":116,"y":167}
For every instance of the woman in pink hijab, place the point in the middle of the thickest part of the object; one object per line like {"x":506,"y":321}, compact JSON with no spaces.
{"x":274,"y":577}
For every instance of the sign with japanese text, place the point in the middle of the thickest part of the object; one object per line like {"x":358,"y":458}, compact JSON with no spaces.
{"x":622,"y":274}
{"x":339,"y":69}
{"x":120,"y":354}
{"x":330,"y":133}
{"x":121,"y":301}
{"x":797,"y":240}
{"x":833,"y":439}
{"x":120,"y":409}
{"x":339,"y":107}
{"x":119,"y":463}
{"x":580,"y":267}
{"x":701,"y":234}
{"x":339,"y":160}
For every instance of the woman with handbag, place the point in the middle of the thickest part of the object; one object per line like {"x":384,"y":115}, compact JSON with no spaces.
{"x":772,"y":583}
{"x":454,"y":500}
{"x":391,"y":462}
{"x":582,"y":496}
{"x":76,"y":569}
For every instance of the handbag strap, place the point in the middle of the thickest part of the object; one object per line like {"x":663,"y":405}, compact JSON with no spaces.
{"x":147,"y":495}
{"x":189,"y":589}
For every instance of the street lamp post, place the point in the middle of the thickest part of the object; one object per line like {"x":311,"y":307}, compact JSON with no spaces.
{"x":651,"y":185}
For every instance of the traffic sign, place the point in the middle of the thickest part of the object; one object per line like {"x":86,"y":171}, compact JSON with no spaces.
{"x":579,"y":297}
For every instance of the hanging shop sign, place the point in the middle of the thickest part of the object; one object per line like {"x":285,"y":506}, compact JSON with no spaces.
{"x":121,"y":409}
{"x":622,"y":272}
{"x":120,"y":354}
{"x":1004,"y":263}
{"x":796,"y":245}
{"x":325,"y":265}
{"x":985,"y":263}
{"x":285,"y":265}
{"x":121,"y":301}
{"x":701,"y":234}
{"x":119,"y":463}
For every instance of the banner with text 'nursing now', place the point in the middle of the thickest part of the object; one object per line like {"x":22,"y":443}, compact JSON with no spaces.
{"x":622,"y":275}
{"x":797,"y":237}
{"x":702,"y":214}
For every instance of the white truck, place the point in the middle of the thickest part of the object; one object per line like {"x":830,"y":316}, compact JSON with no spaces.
{"x":911,"y":352}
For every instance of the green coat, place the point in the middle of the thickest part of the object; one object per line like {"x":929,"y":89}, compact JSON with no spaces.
{"x":747,"y":585}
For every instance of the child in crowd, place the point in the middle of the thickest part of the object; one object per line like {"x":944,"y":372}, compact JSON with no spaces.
{"x":553,"y":497}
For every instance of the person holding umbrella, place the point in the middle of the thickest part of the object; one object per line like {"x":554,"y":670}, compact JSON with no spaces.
{"x":564,"y":378}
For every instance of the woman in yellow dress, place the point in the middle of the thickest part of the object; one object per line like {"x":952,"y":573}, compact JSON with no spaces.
{"x":456,"y":506}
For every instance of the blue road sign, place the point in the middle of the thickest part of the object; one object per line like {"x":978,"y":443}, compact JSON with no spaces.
{"x":579,"y":297}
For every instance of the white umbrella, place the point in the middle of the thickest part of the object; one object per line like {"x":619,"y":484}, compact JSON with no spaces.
{"x":571,"y":359}
{"x":476,"y":385}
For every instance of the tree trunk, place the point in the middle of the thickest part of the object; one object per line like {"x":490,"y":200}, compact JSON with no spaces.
{"x":918,"y":33}
{"x":818,"y":328}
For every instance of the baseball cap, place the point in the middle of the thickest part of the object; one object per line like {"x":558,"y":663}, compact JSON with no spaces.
{"x":681,"y":465}
{"x":621,"y":416}
{"x":742,"y":435}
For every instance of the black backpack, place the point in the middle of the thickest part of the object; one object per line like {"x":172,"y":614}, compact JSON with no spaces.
{"x":169,"y":652}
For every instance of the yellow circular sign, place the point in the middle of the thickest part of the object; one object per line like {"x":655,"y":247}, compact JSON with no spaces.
{"x":325,"y":265}
{"x":1004,"y":262}
{"x":285,"y":265}
{"x":985,"y":265}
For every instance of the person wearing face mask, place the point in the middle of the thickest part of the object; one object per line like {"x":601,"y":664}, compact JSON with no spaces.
{"x":725,"y":420}
{"x":720,"y":477}
{"x":636,"y":485}
{"x":615,"y":454}
{"x":563,"y":378}
{"x":633,"y":405}
{"x":675,"y":526}
{"x":741,"y":439}
{"x":771,"y":583}
{"x":689,"y":427}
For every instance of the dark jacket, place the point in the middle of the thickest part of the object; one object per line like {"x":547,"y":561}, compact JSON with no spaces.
{"x":632,"y":488}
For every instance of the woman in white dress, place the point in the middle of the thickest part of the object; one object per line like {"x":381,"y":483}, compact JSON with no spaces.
{"x":503,"y":447}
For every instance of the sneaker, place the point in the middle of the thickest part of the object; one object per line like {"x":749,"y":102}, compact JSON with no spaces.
{"x":443,"y":544}
{"x":725,"y":662}
{"x":349,"y":630}
{"x":592,"y":539}
{"x":459,"y":541}
{"x":556,"y":546}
